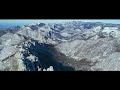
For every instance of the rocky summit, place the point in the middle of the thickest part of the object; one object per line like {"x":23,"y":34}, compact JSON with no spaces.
{"x":70,"y":46}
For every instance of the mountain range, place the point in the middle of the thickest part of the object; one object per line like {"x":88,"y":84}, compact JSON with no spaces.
{"x":69,"y":46}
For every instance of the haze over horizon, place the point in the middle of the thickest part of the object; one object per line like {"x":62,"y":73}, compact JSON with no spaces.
{"x":20,"y":22}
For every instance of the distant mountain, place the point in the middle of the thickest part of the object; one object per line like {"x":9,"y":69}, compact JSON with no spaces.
{"x":6,"y":30}
{"x":70,"y":46}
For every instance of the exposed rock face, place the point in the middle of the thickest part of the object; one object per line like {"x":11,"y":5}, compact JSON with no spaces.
{"x":61,"y":47}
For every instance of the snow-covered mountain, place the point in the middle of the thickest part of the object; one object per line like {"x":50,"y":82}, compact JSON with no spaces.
{"x":70,"y":46}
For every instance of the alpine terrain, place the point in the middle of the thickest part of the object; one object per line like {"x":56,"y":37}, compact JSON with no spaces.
{"x":70,"y":46}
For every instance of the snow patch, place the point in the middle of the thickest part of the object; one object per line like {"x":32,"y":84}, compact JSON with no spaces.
{"x":65,"y":34}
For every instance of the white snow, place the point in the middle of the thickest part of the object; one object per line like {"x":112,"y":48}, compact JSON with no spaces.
{"x":110,"y":29}
{"x":31,"y":57}
{"x":50,"y":68}
{"x":65,"y":34}
{"x":7,"y":51}
{"x":7,"y":43}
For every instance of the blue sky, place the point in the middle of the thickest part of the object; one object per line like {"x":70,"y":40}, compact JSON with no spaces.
{"x":58,"y":20}
{"x":14,"y":22}
{"x":117,"y":21}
